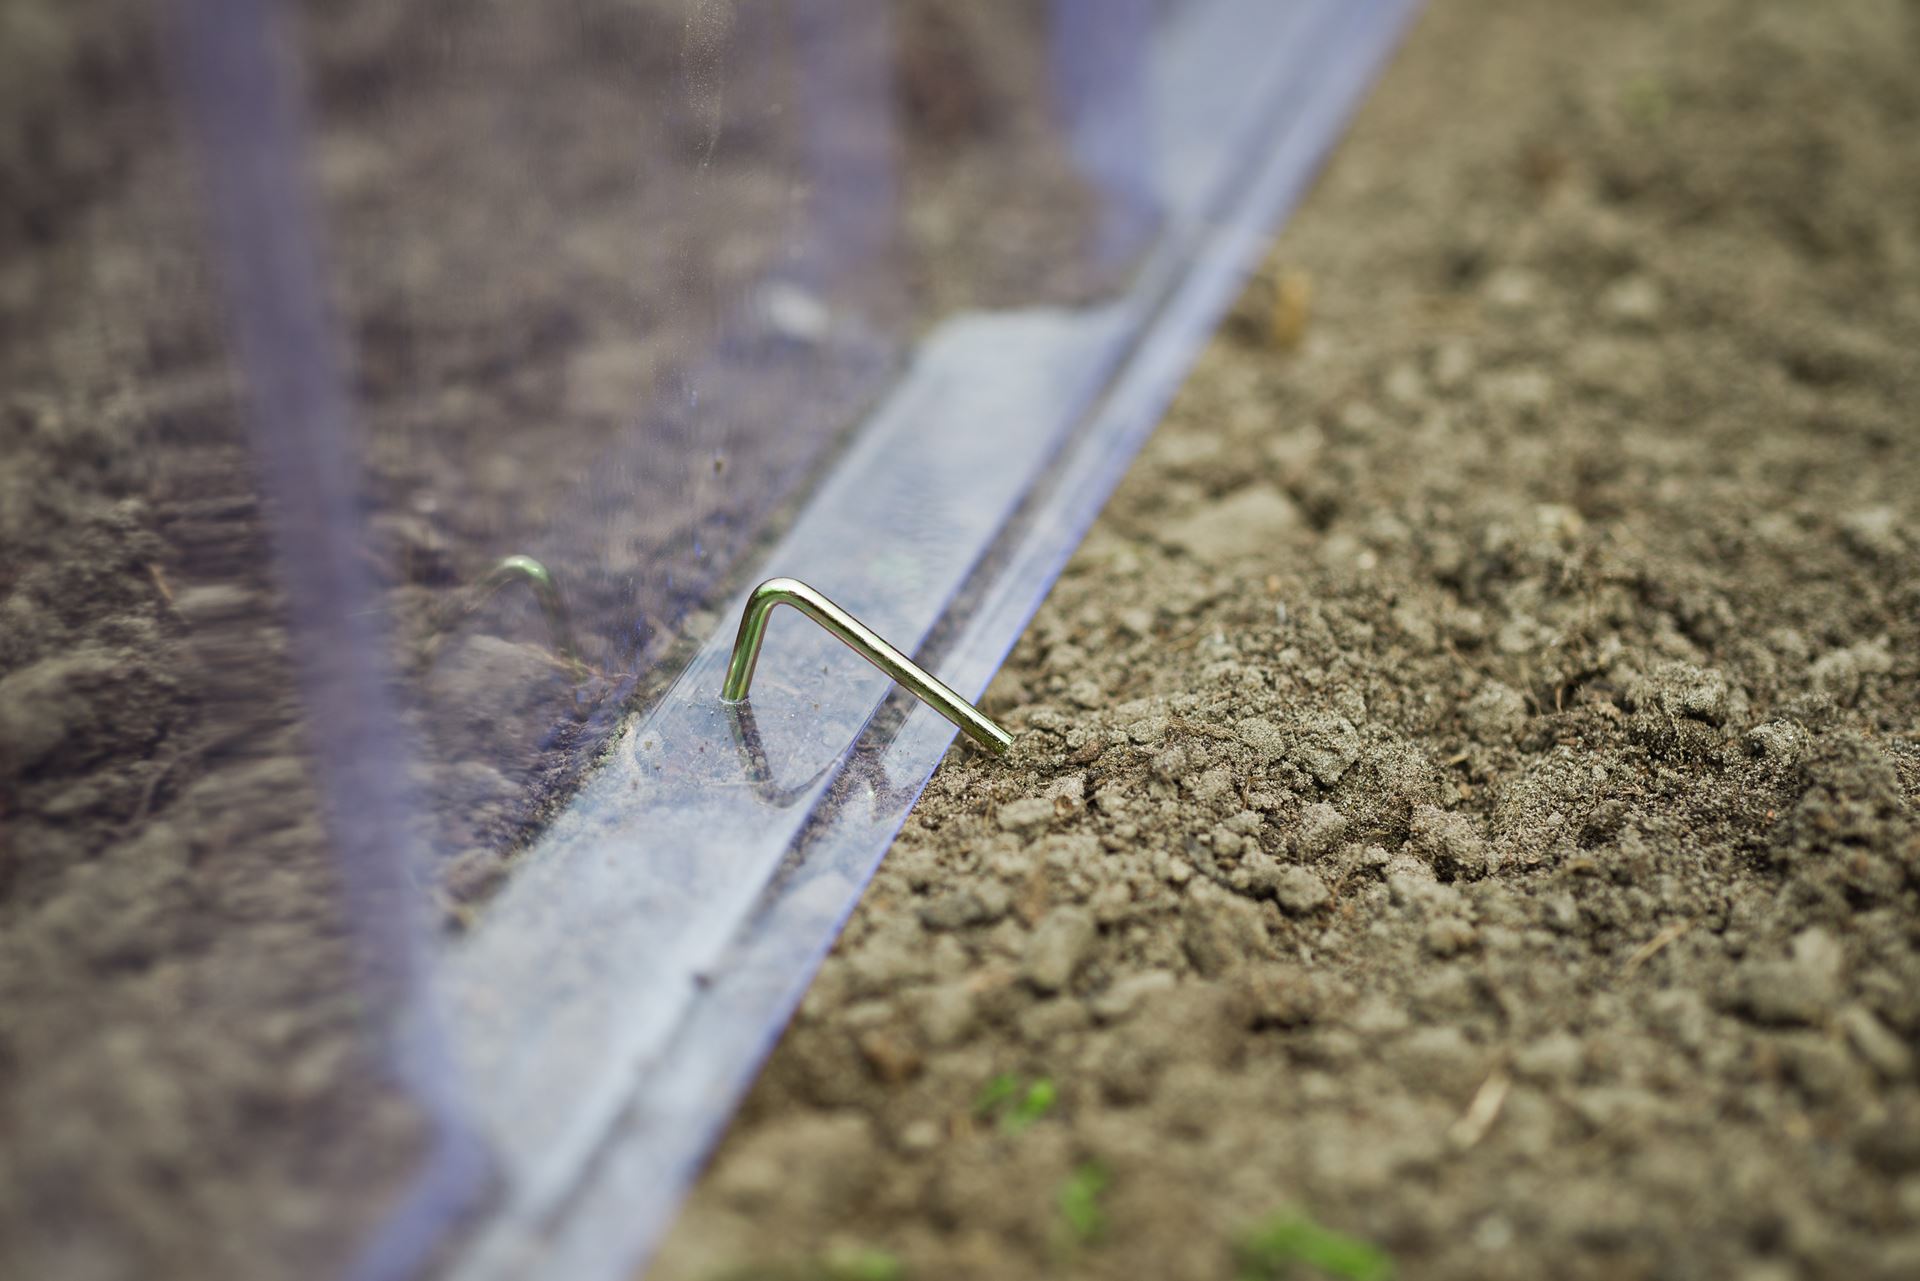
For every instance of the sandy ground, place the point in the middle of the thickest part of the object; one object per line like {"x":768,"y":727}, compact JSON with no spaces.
{"x":1463,"y":806}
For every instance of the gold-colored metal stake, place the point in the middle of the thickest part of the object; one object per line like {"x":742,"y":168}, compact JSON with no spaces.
{"x":861,"y":640}
{"x":526,"y":569}
{"x":510,"y":570}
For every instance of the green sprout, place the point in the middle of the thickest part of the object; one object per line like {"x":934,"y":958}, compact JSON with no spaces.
{"x":1016,"y":1107}
{"x":1272,"y":1249}
{"x":1079,"y":1202}
{"x":861,"y":1263}
{"x":1647,"y":102}
{"x":995,"y":1094}
{"x":1034,"y":1104}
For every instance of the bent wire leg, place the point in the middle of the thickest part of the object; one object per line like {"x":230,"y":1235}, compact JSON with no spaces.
{"x":510,"y":570}
{"x":526,"y":569}
{"x":861,"y":640}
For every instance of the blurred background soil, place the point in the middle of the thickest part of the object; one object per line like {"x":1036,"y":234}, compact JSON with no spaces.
{"x":1464,"y":794}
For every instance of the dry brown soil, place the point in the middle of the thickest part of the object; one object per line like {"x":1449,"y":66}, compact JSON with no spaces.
{"x":1464,"y":789}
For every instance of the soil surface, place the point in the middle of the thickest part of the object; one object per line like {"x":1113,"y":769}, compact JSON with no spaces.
{"x":1463,"y":808}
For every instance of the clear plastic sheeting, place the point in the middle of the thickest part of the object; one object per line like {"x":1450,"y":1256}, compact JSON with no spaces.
{"x":452,"y":371}
{"x":717,"y":849}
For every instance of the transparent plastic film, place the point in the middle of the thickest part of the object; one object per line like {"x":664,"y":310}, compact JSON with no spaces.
{"x":402,"y":402}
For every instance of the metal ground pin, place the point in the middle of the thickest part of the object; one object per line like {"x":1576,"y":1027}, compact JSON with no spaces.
{"x":518,"y":569}
{"x":861,"y":640}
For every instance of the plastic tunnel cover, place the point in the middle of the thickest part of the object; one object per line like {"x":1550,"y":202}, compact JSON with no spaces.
{"x":653,"y":299}
{"x":611,"y":1004}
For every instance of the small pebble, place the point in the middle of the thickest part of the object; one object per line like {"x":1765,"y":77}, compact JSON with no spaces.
{"x":1058,"y":948}
{"x":1300,"y":891}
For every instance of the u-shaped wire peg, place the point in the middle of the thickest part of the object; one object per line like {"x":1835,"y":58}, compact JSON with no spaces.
{"x":862,"y":640}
